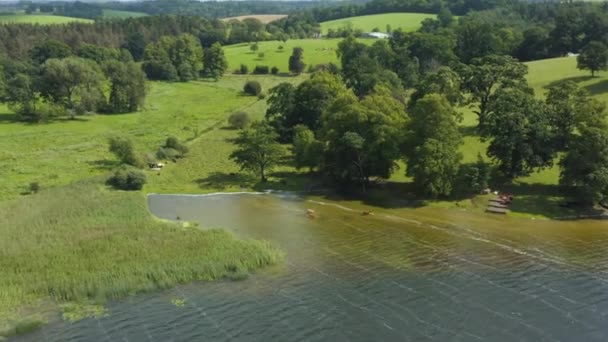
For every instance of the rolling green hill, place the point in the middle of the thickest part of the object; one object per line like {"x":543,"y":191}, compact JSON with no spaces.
{"x":42,"y":19}
{"x":405,"y":21}
{"x":110,"y":14}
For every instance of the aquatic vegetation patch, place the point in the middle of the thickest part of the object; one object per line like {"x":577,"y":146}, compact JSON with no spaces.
{"x":84,"y":243}
{"x":74,"y":312}
{"x":178,"y":302}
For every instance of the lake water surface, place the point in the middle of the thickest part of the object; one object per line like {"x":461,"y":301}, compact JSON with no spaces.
{"x":399,"y":275}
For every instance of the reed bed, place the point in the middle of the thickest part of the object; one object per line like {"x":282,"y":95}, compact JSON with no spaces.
{"x":83,"y":242}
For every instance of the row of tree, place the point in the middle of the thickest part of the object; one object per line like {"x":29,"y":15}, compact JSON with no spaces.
{"x":356,"y":124}
{"x":183,"y":58}
{"x":70,"y":86}
{"x":134,"y":34}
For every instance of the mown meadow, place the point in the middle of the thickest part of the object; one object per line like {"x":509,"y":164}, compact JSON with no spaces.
{"x":42,"y":19}
{"x":316,"y":51}
{"x":405,"y":21}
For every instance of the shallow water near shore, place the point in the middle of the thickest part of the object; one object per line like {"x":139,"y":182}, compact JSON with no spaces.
{"x":399,"y":274}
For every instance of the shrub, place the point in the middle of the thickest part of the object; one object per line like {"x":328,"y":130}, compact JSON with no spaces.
{"x":127,"y":178}
{"x":253,"y":88}
{"x":274,"y":70}
{"x":123,"y":149}
{"x":34,"y":187}
{"x":244,"y":70}
{"x":172,"y":149}
{"x":261,"y":55}
{"x":281,"y":48}
{"x":261,"y":70}
{"x":261,"y":96}
{"x":239,"y":120}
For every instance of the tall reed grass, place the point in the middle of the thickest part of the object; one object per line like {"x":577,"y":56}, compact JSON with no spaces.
{"x":84,"y":242}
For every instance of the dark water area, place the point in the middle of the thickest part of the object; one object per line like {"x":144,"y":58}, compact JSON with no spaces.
{"x":399,"y":275}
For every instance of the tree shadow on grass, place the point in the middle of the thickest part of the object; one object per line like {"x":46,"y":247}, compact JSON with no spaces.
{"x":545,"y":200}
{"x":468,"y":131}
{"x":7,"y":117}
{"x":223,"y":180}
{"x":575,"y":79}
{"x":598,"y":88}
{"x":103,"y":164}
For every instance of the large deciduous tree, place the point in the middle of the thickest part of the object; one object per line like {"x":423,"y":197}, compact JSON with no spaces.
{"x":584,"y":168}
{"x":127,"y":86}
{"x":48,"y":49}
{"x":174,"y":58}
{"x":257,"y":150}
{"x":431,"y":151}
{"x":489,"y":74}
{"x":362,"y":137}
{"x":569,"y":107}
{"x":296,"y":61}
{"x":308,"y":151}
{"x":73,"y":82}
{"x":520,"y":133}
{"x":593,"y":57}
{"x":289,"y":106}
{"x":215,"y":61}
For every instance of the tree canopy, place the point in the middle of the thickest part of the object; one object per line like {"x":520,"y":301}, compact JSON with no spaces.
{"x":257,"y":150}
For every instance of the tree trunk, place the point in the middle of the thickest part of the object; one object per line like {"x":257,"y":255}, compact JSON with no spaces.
{"x":262,"y":174}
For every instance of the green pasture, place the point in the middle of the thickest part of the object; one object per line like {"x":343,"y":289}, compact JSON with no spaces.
{"x":406,"y":21}
{"x":316,"y":51}
{"x":42,"y":19}
{"x":116,"y":14}
{"x":64,"y":151}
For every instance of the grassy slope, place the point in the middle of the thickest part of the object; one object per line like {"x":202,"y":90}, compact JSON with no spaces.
{"x":316,"y":51}
{"x":405,"y":21}
{"x":265,"y":18}
{"x":62,"y":152}
{"x":110,"y":14}
{"x":42,"y":19}
{"x":83,"y":242}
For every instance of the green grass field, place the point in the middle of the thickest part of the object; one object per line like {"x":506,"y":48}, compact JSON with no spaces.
{"x":406,"y":21}
{"x":115,"y":14}
{"x":316,"y":51}
{"x":41,"y":19}
{"x":64,"y":151}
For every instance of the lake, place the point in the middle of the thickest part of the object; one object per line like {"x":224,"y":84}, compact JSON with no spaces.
{"x":400,"y":274}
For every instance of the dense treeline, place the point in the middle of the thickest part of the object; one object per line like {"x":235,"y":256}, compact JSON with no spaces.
{"x":134,"y":34}
{"x":206,"y":9}
{"x":217,"y":9}
{"x":55,"y":81}
{"x":353,"y":125}
{"x":460,"y":7}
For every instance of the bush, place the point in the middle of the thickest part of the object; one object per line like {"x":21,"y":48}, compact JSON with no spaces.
{"x":261,"y":70}
{"x":253,"y":88}
{"x":123,"y":149}
{"x":34,"y":187}
{"x":127,"y":178}
{"x":281,"y":48}
{"x":261,"y":55}
{"x":172,"y":149}
{"x":239,"y":120}
{"x":274,"y":70}
{"x":244,"y":70}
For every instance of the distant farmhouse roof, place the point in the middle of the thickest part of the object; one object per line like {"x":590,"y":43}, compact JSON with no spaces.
{"x":377,"y":35}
